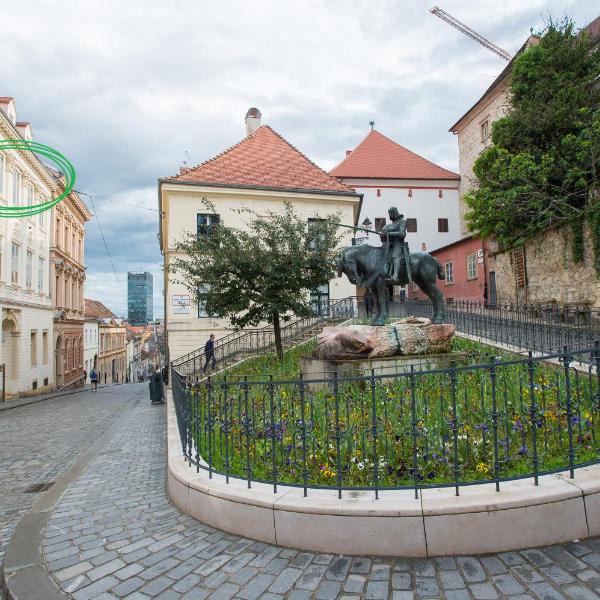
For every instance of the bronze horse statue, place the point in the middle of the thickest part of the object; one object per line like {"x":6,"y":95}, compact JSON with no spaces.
{"x":363,"y":267}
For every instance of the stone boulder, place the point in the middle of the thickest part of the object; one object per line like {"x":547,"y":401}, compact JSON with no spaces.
{"x":407,"y":337}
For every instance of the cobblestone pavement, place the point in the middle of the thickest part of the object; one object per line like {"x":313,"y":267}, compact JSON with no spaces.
{"x":115,"y":535}
{"x":40,"y":441}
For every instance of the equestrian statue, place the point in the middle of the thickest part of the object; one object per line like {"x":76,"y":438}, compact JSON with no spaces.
{"x":392,"y":264}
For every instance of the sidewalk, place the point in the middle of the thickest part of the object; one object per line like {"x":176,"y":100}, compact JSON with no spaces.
{"x":24,"y":401}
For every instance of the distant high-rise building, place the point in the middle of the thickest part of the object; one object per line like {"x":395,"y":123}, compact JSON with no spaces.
{"x":139,"y":298}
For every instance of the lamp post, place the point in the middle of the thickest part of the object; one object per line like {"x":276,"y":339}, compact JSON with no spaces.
{"x":357,"y":241}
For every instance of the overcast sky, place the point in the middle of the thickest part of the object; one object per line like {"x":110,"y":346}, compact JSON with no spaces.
{"x":124,"y":88}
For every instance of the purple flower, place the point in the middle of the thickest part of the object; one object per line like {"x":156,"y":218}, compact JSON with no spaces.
{"x":523,"y":450}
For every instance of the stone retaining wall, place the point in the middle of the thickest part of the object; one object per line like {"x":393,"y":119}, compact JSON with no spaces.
{"x":438,"y":523}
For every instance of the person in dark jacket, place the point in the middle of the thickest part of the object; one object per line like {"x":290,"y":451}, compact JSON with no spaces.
{"x":209,"y":352}
{"x":157,"y":395}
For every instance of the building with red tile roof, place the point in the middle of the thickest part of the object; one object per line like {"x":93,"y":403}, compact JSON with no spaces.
{"x":379,"y":157}
{"x":260,"y":173}
{"x":388,"y":174}
{"x":263,"y":160}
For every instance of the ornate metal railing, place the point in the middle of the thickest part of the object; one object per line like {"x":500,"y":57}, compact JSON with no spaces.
{"x":502,"y":419}
{"x":248,"y":342}
{"x":537,"y":327}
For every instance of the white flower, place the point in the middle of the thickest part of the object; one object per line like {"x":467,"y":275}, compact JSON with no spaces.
{"x":361,"y":466}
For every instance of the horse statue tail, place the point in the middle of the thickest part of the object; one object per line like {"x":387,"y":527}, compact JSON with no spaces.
{"x":440,"y":270}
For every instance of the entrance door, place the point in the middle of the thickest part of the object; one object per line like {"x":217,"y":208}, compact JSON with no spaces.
{"x":492,"y":299}
{"x":319,"y":299}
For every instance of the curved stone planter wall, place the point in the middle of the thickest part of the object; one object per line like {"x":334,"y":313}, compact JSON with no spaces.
{"x":439,"y":523}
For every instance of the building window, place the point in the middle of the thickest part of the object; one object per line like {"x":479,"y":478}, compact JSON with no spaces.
{"x":45,"y":347}
{"x":29,"y":195}
{"x":40,"y":281}
{"x":472,"y":266}
{"x":34,"y":348}
{"x":379,"y":224}
{"x":319,"y":299}
{"x":485,"y":130}
{"x":202,"y":312}
{"x":411,"y":225}
{"x":205,"y":224}
{"x":443,"y":225}
{"x":29,"y":270}
{"x":41,"y":220}
{"x":449,"y":269}
{"x":14,"y":265}
{"x":16,"y":187}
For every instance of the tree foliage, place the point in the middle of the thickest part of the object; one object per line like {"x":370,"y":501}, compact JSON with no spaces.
{"x":262,"y":272}
{"x":542,"y":167}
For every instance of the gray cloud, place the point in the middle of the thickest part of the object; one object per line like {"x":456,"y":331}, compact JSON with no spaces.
{"x":125,"y":88}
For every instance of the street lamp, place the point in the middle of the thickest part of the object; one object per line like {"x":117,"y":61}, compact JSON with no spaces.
{"x":357,"y":241}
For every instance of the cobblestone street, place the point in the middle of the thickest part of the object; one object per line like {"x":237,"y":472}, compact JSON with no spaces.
{"x":115,"y":535}
{"x":40,"y":441}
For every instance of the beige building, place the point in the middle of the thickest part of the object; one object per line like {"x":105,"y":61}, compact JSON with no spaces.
{"x":112,"y":348}
{"x":25,"y":302}
{"x":67,"y":274}
{"x":260,"y":173}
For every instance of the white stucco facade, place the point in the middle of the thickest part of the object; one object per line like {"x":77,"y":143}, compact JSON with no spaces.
{"x":90,"y":345}
{"x":26,"y":349}
{"x":425,"y":201}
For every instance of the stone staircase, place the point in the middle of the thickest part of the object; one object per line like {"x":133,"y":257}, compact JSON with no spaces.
{"x":236,"y":348}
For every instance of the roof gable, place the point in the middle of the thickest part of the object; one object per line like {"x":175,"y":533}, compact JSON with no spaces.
{"x":379,"y":157}
{"x":264,"y":160}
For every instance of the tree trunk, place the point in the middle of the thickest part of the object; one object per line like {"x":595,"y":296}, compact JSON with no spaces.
{"x":277,"y":332}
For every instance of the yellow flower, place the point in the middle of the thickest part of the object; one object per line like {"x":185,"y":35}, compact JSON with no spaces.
{"x":482,"y":468}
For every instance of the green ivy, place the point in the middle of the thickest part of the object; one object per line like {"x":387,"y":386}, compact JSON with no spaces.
{"x":594,"y":223}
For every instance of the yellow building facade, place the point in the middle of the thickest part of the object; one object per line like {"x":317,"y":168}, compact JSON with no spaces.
{"x":260,"y":173}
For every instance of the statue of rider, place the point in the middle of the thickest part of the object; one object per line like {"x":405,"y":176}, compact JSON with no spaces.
{"x":392,"y":235}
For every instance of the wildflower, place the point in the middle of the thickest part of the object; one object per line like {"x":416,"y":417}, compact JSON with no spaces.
{"x":523,"y":450}
{"x":482,"y":468}
{"x":361,"y":465}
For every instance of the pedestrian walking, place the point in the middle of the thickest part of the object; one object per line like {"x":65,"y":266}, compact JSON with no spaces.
{"x":94,"y":379}
{"x":157,"y":395}
{"x":209,"y":353}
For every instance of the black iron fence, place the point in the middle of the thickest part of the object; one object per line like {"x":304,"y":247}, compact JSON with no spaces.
{"x":495,"y":421}
{"x":537,"y":327}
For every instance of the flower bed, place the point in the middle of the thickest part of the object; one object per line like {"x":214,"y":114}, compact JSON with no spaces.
{"x":498,"y":418}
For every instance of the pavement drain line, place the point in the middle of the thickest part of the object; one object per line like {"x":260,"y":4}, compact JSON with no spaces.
{"x":25,"y":576}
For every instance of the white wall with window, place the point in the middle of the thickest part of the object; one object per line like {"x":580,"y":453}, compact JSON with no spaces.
{"x":25,"y":305}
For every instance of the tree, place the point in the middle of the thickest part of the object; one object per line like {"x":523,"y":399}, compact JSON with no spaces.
{"x":542,"y":167}
{"x":264,"y":272}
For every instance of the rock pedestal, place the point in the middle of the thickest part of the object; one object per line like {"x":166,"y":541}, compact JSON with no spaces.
{"x":410,"y":336}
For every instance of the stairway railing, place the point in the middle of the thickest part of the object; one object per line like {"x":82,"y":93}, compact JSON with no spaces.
{"x":258,"y":341}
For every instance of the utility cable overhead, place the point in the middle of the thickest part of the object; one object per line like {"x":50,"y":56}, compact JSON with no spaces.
{"x":106,"y":247}
{"x":116,"y":201}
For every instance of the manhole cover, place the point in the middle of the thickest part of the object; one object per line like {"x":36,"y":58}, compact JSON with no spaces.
{"x":39,"y":487}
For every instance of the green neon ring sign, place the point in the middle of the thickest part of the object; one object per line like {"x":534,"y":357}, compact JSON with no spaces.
{"x":61,"y":161}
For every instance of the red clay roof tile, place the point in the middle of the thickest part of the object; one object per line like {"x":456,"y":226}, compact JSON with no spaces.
{"x":378,"y":157}
{"x":264,"y":159}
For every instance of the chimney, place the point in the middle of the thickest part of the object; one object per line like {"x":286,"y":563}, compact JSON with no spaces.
{"x":348,"y":152}
{"x":252,"y":120}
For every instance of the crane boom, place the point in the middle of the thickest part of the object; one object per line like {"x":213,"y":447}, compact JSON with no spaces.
{"x":442,"y":14}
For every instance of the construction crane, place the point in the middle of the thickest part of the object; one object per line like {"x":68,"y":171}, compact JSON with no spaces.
{"x":442,"y":14}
